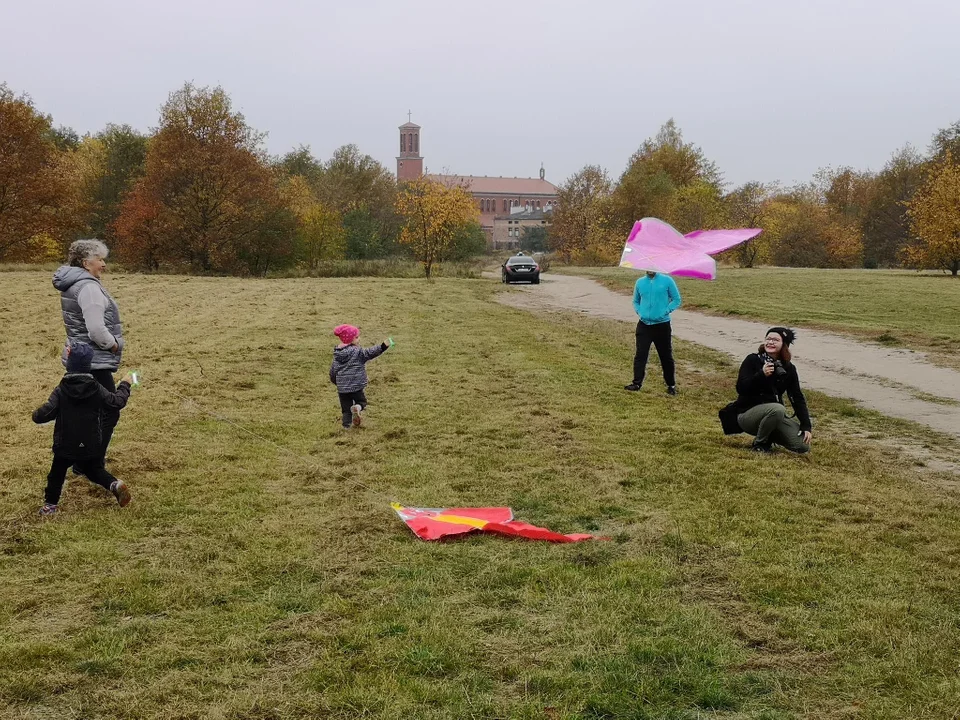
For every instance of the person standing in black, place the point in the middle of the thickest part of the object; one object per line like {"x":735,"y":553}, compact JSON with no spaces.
{"x":82,"y":408}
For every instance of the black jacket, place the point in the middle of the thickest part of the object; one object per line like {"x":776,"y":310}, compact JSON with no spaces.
{"x":754,"y":388}
{"x":78,"y":404}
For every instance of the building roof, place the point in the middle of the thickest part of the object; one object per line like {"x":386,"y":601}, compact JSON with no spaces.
{"x":484,"y":185}
{"x":531,"y":215}
{"x":409,"y":126}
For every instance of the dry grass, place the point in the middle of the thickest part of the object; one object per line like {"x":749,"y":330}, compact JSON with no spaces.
{"x":249,"y":581}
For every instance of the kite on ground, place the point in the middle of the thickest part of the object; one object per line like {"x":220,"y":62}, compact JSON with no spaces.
{"x":655,"y":245}
{"x":437,"y":523}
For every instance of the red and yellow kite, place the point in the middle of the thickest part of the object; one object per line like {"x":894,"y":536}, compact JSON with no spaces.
{"x":437,"y":523}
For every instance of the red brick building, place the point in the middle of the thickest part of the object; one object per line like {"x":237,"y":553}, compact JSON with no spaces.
{"x":495,"y":196}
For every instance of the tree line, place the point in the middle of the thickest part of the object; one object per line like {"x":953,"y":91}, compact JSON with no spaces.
{"x":200,"y":194}
{"x":905,"y":215}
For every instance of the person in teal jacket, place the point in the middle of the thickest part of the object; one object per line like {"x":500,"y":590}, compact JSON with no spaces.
{"x":655,"y":296}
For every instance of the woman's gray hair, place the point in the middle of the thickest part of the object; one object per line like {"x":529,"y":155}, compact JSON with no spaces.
{"x":81,"y":250}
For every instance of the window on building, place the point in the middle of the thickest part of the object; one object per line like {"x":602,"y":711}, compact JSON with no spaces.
{"x":416,"y":143}
{"x":504,"y":204}
{"x":403,"y":142}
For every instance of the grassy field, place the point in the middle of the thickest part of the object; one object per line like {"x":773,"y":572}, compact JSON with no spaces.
{"x":894,"y":307}
{"x":265,"y":576}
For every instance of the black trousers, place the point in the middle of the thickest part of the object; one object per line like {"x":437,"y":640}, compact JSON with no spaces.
{"x":347,"y":400}
{"x":659,"y":335}
{"x":93,"y":469}
{"x":110,"y":419}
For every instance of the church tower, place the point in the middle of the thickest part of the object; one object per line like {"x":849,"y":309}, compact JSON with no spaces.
{"x":409,"y":161}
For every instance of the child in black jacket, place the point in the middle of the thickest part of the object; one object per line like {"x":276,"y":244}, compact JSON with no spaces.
{"x":78,"y":405}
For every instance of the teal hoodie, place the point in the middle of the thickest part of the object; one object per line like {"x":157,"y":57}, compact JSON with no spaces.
{"x":655,"y":298}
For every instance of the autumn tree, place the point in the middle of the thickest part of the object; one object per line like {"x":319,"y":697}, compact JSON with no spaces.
{"x":32,"y":181}
{"x":433,"y":215}
{"x":207,"y":200}
{"x":581,"y":229}
{"x":935,"y":219}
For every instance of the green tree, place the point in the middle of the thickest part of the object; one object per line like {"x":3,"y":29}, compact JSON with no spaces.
{"x":885,"y":223}
{"x":65,"y":138}
{"x":124,"y":160}
{"x":655,"y":174}
{"x":301,"y":162}
{"x":535,"y":238}
{"x":365,"y":236}
{"x":468,"y":242}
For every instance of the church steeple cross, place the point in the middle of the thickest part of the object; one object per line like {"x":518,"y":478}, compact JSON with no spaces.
{"x":409,"y":115}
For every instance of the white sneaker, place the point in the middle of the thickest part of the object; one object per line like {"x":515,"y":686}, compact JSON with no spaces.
{"x":355,"y":412}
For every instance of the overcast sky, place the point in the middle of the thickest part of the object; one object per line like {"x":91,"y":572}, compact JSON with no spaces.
{"x":771,"y":90}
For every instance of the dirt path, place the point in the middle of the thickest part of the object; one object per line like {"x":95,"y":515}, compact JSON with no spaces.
{"x":882,"y":379}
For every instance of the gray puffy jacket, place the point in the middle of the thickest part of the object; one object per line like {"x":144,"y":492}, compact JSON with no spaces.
{"x":90,"y":316}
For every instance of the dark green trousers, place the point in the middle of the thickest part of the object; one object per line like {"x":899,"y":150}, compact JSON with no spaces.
{"x":770,"y":424}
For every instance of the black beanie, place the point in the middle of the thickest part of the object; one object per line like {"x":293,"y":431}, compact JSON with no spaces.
{"x":79,"y":359}
{"x":787,"y":334}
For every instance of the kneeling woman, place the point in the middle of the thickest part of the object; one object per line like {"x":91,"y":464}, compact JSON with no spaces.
{"x":764,"y":377}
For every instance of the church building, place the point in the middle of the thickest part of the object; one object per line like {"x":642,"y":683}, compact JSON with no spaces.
{"x":497,"y":197}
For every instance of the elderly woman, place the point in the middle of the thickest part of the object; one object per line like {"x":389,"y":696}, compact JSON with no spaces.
{"x":91,"y":316}
{"x":765,"y":376}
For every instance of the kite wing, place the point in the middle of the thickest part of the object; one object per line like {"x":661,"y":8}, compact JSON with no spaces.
{"x":438,"y":523}
{"x":712,"y":242}
{"x":655,"y":245}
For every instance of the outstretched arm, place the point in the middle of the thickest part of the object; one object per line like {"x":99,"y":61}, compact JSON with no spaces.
{"x":116,"y":400}
{"x":367,"y":354}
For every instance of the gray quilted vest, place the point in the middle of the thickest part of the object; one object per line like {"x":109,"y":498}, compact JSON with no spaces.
{"x":69,"y":281}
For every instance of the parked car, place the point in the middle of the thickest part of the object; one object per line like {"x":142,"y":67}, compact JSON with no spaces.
{"x":520,"y":267}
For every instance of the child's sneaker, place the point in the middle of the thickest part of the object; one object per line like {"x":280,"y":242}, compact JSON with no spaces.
{"x":48,"y":509}
{"x":355,"y":412}
{"x":121,"y":492}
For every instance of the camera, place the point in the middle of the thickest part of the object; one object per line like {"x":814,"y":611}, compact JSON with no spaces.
{"x":778,"y":369}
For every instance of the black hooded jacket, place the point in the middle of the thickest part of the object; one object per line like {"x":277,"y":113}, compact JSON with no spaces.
{"x":754,"y":388}
{"x":78,"y":405}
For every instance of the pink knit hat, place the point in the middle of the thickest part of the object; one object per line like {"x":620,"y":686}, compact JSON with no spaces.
{"x":346,"y":333}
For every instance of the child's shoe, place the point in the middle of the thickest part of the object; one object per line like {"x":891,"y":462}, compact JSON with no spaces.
{"x":48,"y":509}
{"x":355,"y":412}
{"x":121,"y":492}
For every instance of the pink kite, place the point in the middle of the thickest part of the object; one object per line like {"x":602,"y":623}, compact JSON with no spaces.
{"x":437,"y":523}
{"x":655,"y":245}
